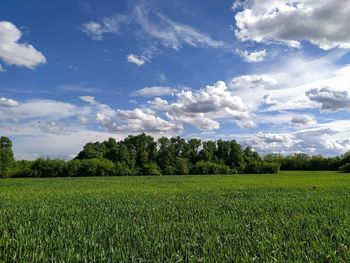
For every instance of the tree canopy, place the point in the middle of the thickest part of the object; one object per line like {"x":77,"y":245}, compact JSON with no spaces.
{"x":143,"y":155}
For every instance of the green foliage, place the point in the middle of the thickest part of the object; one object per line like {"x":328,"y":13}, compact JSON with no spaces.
{"x":303,"y":162}
{"x":142,"y":155}
{"x":289,"y":217}
{"x":22,"y":169}
{"x":203,"y":167}
{"x":259,"y":167}
{"x":92,"y":150}
{"x":182,"y":166}
{"x":150,"y":169}
{"x":47,"y":168}
{"x":122,"y":169}
{"x":345,"y":168}
{"x":92,"y":167}
{"x":6,"y":156}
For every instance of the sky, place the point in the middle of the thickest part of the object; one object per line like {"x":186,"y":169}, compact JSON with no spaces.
{"x":271,"y":74}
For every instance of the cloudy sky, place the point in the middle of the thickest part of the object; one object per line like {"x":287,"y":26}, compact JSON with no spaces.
{"x":273,"y":74}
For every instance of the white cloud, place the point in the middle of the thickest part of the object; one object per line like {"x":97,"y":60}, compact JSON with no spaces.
{"x":154,"y":91}
{"x":34,"y":109}
{"x":274,"y":89}
{"x":202,"y":108}
{"x":330,"y":100}
{"x":138,"y":120}
{"x":4,"y":102}
{"x":156,"y":30}
{"x":2,"y":69}
{"x":253,"y":88}
{"x":77,"y":88}
{"x":139,"y":61}
{"x":271,"y":142}
{"x":252,"y":57}
{"x":14,"y":53}
{"x":252,"y":82}
{"x":56,"y":145}
{"x":173,"y":34}
{"x":319,"y":140}
{"x":89,"y":99}
{"x":323,"y":23}
{"x":303,"y":120}
{"x":96,"y":30}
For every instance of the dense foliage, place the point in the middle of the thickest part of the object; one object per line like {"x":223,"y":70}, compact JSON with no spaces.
{"x":289,"y":217}
{"x":142,"y":155}
{"x":6,"y":156}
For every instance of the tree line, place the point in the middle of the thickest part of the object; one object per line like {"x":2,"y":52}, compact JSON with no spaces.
{"x":143,"y":155}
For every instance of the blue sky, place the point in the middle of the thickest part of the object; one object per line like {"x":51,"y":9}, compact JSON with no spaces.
{"x":271,"y":74}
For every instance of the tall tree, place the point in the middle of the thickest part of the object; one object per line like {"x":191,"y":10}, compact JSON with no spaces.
{"x":6,"y":155}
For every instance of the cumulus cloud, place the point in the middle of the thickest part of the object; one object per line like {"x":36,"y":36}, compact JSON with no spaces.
{"x":14,"y":53}
{"x":202,"y":108}
{"x":252,"y":57}
{"x":271,"y":142}
{"x":323,"y":23}
{"x":274,"y":89}
{"x":319,"y":140}
{"x":330,"y":100}
{"x":4,"y":102}
{"x":138,"y":120}
{"x":154,"y":91}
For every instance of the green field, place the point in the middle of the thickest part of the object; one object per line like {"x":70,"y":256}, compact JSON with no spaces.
{"x":292,"y":216}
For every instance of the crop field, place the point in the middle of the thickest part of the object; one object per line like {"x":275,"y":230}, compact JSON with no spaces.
{"x":289,"y":217}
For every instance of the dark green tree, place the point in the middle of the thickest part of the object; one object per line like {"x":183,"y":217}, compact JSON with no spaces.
{"x":6,"y":155}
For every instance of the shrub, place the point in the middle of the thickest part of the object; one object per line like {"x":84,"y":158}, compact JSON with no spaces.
{"x":150,"y":169}
{"x":94,"y":167}
{"x":203,"y":167}
{"x":168,"y":169}
{"x":22,"y":169}
{"x":262,"y":168}
{"x":122,"y":169}
{"x":47,"y":168}
{"x":345,"y":168}
{"x":182,"y":166}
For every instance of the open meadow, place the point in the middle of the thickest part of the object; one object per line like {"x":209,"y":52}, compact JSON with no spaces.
{"x":292,"y":216}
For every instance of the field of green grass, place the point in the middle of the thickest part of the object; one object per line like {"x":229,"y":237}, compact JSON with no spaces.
{"x":292,"y":216}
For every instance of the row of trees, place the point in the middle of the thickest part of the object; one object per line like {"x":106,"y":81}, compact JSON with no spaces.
{"x":142,"y":155}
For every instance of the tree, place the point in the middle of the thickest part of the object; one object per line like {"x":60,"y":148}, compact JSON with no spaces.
{"x":91,"y":150}
{"x":6,"y":155}
{"x":192,"y":150}
{"x":208,"y":151}
{"x":166,"y":155}
{"x":250,"y":155}
{"x":236,"y":158}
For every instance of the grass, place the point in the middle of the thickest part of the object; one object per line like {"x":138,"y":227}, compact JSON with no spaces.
{"x":293,"y":216}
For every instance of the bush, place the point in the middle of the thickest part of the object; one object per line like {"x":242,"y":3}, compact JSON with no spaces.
{"x":182,"y":166}
{"x":122,"y":169}
{"x":46,"y":168}
{"x":150,"y":169}
{"x":262,"y":168}
{"x":345,"y":168}
{"x":93,"y":167}
{"x":203,"y":167}
{"x":22,"y":169}
{"x":168,"y":170}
